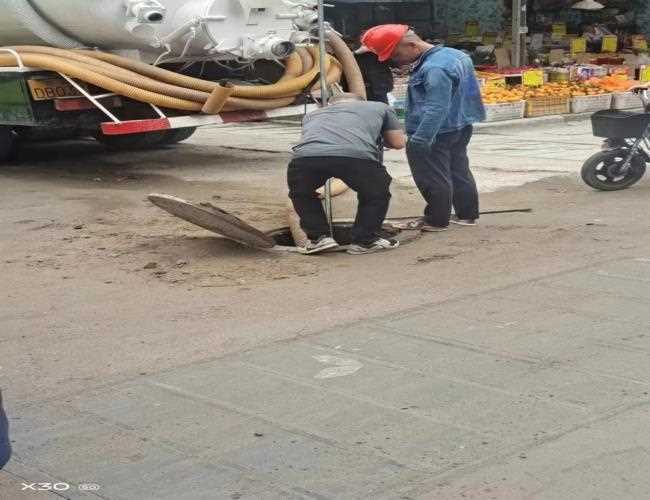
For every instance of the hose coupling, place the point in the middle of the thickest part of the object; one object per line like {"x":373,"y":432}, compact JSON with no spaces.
{"x":146,"y":11}
{"x":270,"y":47}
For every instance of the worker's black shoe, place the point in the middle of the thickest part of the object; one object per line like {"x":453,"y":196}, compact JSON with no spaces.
{"x":376,"y":246}
{"x":463,"y":222}
{"x":322,"y":244}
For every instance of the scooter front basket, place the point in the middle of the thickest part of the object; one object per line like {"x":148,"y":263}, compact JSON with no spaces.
{"x":619,"y":124}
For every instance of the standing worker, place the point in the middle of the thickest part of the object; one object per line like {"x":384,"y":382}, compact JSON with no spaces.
{"x":444,"y":101}
{"x":345,"y":141}
{"x":377,"y":75}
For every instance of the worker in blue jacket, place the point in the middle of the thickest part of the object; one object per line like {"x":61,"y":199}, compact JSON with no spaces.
{"x":444,"y":101}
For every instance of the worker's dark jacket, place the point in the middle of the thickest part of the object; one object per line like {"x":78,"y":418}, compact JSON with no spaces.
{"x":377,"y":75}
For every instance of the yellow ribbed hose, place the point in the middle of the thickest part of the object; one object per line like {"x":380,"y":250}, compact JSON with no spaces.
{"x":217,"y":99}
{"x":351,"y":69}
{"x":238,"y":103}
{"x":130,"y":78}
{"x":130,"y":84}
{"x":280,"y":89}
{"x":293,"y":67}
{"x":87,"y":75}
{"x":274,"y":90}
{"x":334,"y":74}
{"x":154,"y":72}
{"x":307,"y":59}
{"x":118,"y":73}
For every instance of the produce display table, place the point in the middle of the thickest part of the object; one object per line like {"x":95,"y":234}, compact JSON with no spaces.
{"x":577,"y":89}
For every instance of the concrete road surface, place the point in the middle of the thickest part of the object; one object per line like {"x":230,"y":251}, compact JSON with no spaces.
{"x":143,"y":358}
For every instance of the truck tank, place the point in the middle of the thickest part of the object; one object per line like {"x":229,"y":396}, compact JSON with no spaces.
{"x":114,"y":94}
{"x":154,"y":30}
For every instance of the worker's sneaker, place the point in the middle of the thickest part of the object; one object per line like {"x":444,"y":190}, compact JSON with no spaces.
{"x":322,"y":244}
{"x":463,"y":222}
{"x":376,"y":246}
{"x":417,"y":225}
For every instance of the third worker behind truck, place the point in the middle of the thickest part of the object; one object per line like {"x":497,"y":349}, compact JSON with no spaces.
{"x":444,"y":101}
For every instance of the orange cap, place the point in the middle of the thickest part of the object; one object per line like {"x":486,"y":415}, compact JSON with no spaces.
{"x":383,"y":39}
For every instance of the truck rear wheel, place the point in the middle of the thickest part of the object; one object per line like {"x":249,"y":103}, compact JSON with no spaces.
{"x":177,"y":135}
{"x":7,"y":140}
{"x":145,"y":140}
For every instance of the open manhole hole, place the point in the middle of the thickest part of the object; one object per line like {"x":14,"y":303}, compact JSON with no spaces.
{"x":221,"y":222}
{"x":342,"y":234}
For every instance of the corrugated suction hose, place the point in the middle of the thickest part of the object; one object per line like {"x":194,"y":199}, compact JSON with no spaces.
{"x":279,"y":89}
{"x":217,"y":99}
{"x":88,"y":75}
{"x":307,"y":59}
{"x":94,"y":68}
{"x":351,"y":70}
{"x":118,"y":73}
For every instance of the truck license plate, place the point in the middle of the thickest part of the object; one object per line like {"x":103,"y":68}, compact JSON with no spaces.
{"x":51,"y":88}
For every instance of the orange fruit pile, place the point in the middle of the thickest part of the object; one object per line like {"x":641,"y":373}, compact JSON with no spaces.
{"x":496,"y":95}
{"x":548,"y":90}
{"x":563,"y":89}
{"x":614,"y":83}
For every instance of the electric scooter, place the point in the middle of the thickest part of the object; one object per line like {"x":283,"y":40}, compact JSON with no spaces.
{"x":626,"y":150}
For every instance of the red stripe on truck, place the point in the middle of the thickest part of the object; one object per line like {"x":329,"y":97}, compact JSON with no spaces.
{"x":83,"y":104}
{"x":135,"y":126}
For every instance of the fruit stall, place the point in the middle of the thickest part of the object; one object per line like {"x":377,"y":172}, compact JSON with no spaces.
{"x":532,"y":94}
{"x":575,"y":88}
{"x":577,"y":56}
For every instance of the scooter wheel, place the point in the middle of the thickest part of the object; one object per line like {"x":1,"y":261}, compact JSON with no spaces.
{"x":604,"y":170}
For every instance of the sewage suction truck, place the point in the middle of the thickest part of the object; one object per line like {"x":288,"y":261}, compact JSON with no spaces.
{"x":144,"y":73}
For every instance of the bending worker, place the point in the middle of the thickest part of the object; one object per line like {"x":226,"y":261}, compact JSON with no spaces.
{"x":444,"y":101}
{"x":345,"y":141}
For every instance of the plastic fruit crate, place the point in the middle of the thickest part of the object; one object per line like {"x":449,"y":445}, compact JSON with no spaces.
{"x":545,"y":106}
{"x":505,"y":111}
{"x":626,"y":100}
{"x":591,"y":103}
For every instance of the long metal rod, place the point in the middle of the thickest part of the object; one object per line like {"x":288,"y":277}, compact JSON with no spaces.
{"x":516,"y":33}
{"x":485,"y":212}
{"x":328,"y":206}
{"x":324,"y":91}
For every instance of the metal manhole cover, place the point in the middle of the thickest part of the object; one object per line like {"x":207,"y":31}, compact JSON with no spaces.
{"x":213,"y":219}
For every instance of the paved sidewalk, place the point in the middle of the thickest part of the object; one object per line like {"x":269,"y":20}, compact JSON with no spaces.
{"x":538,"y":390}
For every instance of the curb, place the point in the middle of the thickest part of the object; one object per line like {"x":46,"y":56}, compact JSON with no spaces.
{"x":539,"y":121}
{"x":534,"y":122}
